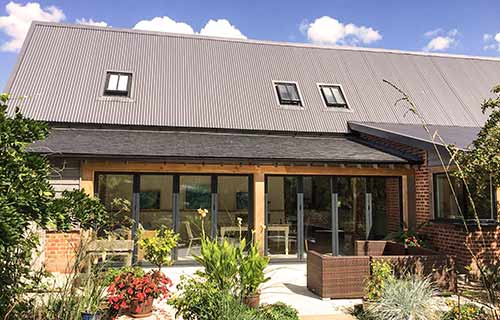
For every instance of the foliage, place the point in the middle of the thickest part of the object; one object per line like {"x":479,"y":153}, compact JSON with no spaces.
{"x":157,"y":249}
{"x":220,"y":262}
{"x":79,"y":292}
{"x":251,"y":271}
{"x":466,"y":311}
{"x":112,"y":273}
{"x":482,"y":161}
{"x":231,"y":267}
{"x":128,"y":287}
{"x":478,"y":169}
{"x":201,"y":299}
{"x":119,"y":220}
{"x":25,"y":195}
{"x":403,"y":299}
{"x":381,"y":272}
{"x":410,"y":238}
{"x":76,"y":208}
{"x":277,"y":311}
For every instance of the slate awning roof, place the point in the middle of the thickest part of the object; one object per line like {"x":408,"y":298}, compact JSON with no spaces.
{"x":416,"y":135}
{"x":203,"y":146}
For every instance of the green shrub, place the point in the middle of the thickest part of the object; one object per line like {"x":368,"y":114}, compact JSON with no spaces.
{"x":403,"y":299}
{"x":251,"y":271}
{"x":157,"y":249}
{"x":466,"y":311}
{"x":200,"y":299}
{"x":381,"y":272}
{"x":277,"y":311}
{"x":220,"y":262}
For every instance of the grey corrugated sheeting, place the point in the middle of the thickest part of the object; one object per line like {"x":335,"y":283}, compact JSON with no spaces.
{"x":201,"y":82}
{"x":170,"y":145}
{"x":462,"y":137}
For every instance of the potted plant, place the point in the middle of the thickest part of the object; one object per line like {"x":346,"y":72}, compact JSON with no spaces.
{"x":252,"y":275}
{"x":134,"y":294}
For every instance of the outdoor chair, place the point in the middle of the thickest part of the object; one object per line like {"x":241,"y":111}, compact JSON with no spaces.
{"x":190,"y":236}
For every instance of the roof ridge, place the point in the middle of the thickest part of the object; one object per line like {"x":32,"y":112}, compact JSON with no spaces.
{"x":264,"y":42}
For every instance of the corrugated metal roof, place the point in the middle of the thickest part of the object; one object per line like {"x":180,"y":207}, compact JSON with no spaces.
{"x":203,"y":82}
{"x":168,"y":145}
{"x":411,"y":134}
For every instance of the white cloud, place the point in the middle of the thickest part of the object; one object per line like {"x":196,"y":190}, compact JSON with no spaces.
{"x":441,"y":39}
{"x":221,"y":28}
{"x":164,"y":24}
{"x":492,"y":42}
{"x":217,"y":28}
{"x":453,"y":33}
{"x":441,"y":32}
{"x":91,"y":22}
{"x":440,"y":44}
{"x":433,"y":33}
{"x":18,"y":20}
{"x":327,"y":30}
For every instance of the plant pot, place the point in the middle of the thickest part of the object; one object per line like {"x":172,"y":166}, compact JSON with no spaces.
{"x":252,"y":301}
{"x":141,"y":309}
{"x":89,"y":316}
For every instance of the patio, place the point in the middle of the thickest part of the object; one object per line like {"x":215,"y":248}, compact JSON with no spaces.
{"x":288,"y":284}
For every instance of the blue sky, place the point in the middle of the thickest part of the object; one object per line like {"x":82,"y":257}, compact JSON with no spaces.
{"x":464,"y":27}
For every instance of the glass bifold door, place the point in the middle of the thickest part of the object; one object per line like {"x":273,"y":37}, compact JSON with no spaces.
{"x":326,"y":214}
{"x":156,"y":200}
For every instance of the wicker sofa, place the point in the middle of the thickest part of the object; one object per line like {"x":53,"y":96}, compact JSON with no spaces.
{"x":344,"y":276}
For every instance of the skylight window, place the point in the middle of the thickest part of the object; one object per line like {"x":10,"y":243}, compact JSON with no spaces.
{"x":118,"y":84}
{"x":288,"y":93}
{"x":333,"y":96}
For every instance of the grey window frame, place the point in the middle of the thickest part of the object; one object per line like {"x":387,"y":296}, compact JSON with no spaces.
{"x":286,"y":102}
{"x":339,"y":106}
{"x":118,"y":93}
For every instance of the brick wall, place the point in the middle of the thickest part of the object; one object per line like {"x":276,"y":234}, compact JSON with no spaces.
{"x":60,"y":249}
{"x":393,"y":206}
{"x":447,"y":238}
{"x":452,"y":239}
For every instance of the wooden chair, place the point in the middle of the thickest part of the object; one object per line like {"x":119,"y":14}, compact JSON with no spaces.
{"x":190,"y":236}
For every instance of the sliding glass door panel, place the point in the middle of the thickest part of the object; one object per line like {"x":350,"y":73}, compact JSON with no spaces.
{"x":281,"y":216}
{"x":195,"y":192}
{"x":155,"y":206}
{"x":317,"y":214}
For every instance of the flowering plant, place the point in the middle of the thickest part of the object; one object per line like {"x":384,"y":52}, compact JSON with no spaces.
{"x":129,"y":289}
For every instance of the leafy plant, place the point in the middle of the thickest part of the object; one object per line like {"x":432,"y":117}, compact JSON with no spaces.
{"x":410,"y":238}
{"x":157,"y":249}
{"x":277,"y":311}
{"x":220,"y":263}
{"x":467,"y":311}
{"x":381,"y":272}
{"x":201,"y":299}
{"x":251,"y":271}
{"x":76,"y":208}
{"x":403,"y":299}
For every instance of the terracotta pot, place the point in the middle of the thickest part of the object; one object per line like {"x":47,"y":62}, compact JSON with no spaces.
{"x":141,"y":309}
{"x":252,"y":301}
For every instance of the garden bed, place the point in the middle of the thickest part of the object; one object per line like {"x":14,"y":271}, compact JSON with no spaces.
{"x":344,"y":276}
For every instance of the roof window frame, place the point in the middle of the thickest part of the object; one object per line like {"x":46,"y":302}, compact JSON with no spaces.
{"x":117,"y":93}
{"x":333,"y":108}
{"x":281,"y":105}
